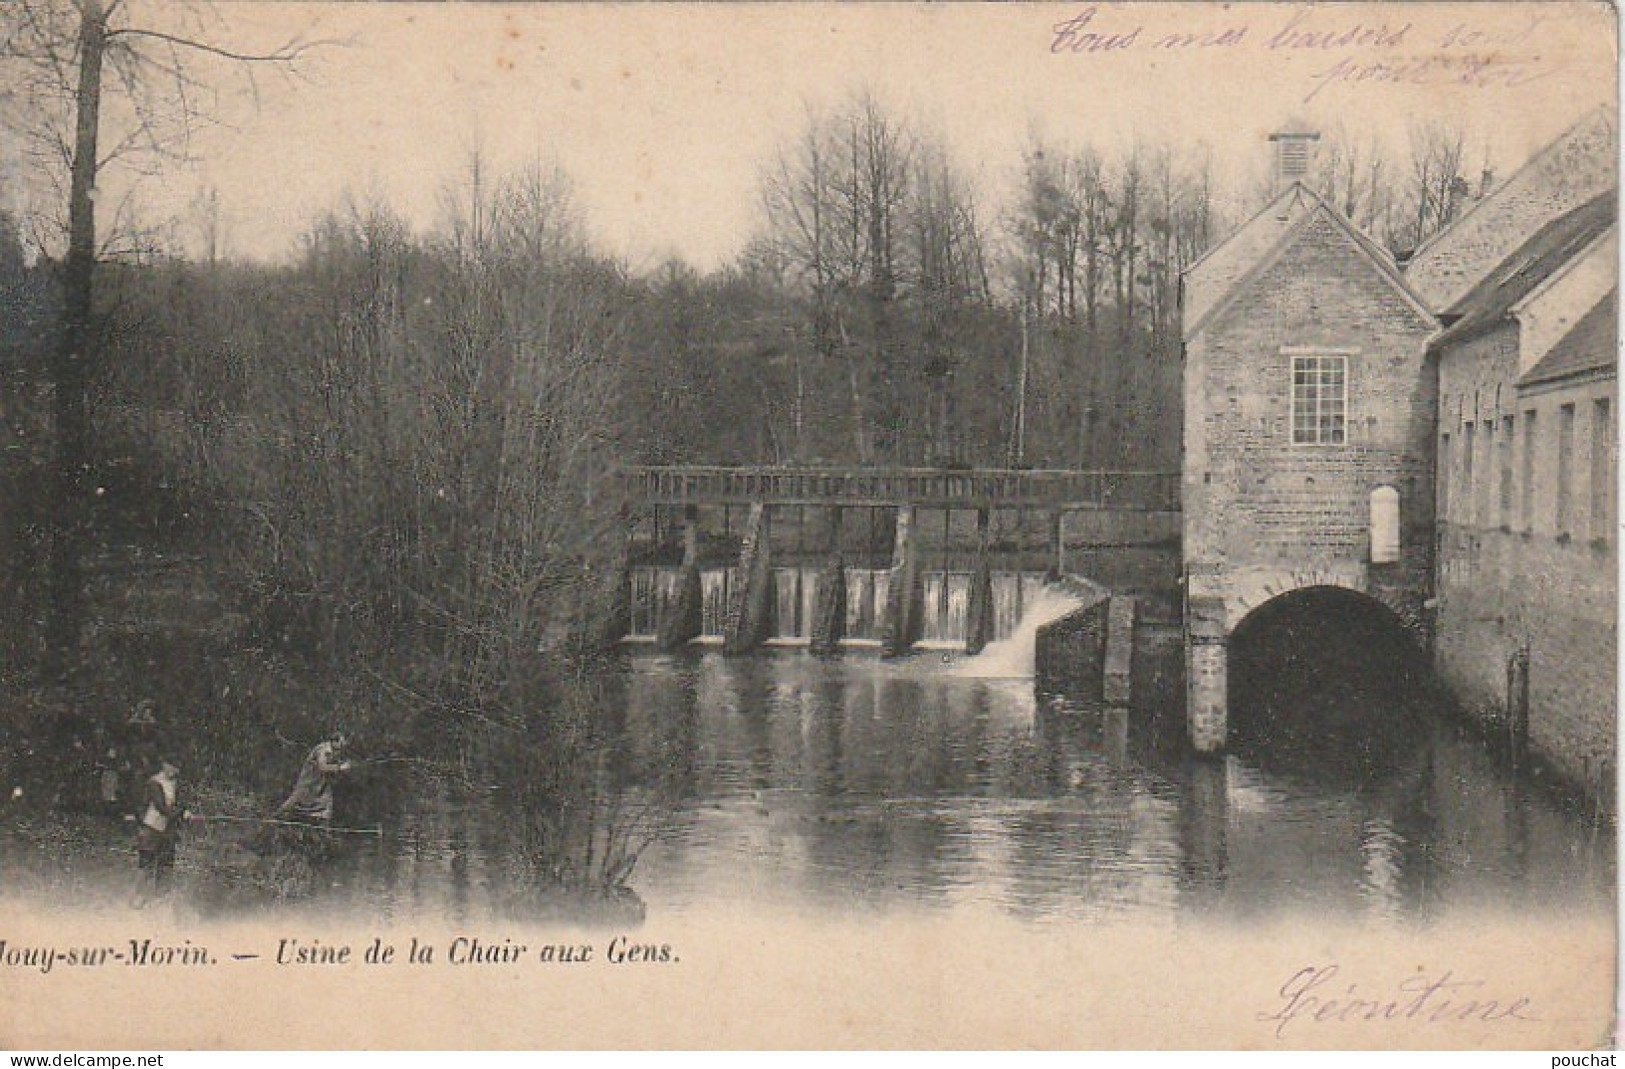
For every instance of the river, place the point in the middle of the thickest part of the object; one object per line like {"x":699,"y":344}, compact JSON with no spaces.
{"x":782,"y":782}
{"x":863,"y":785}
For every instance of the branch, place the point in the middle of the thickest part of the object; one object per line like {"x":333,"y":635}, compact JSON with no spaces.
{"x":285,"y":54}
{"x":47,"y":41}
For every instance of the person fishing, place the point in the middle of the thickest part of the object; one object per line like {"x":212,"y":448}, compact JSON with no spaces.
{"x":312,"y":797}
{"x":159,"y":828}
{"x":141,"y":738}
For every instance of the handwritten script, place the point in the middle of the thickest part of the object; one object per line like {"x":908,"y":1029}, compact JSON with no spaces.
{"x":1356,"y":51}
{"x":1318,"y":994}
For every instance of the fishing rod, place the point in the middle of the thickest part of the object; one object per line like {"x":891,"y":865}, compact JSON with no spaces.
{"x":398,"y":759}
{"x":378,"y":831}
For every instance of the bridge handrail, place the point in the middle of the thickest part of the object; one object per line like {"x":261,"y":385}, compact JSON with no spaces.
{"x":992,"y":487}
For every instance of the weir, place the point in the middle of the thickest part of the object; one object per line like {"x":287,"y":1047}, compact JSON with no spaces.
{"x":903,"y":559}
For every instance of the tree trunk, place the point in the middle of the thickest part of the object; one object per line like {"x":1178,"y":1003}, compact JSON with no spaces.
{"x":70,"y":370}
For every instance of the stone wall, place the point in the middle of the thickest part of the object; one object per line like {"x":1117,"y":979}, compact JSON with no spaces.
{"x":1511,"y":577}
{"x":1070,"y":654}
{"x":1500,"y":591}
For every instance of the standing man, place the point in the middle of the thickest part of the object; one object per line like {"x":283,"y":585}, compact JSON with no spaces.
{"x":159,"y":828}
{"x":312,"y":797}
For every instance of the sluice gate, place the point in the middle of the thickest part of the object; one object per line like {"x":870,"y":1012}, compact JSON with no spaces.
{"x":902,"y":559}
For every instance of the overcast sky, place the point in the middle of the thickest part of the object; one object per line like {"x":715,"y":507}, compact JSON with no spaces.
{"x":664,"y":115}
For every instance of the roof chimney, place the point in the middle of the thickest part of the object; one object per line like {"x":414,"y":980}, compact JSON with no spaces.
{"x":1294,"y":146}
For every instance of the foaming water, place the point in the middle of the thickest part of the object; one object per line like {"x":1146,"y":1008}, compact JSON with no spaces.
{"x":1012,"y":657}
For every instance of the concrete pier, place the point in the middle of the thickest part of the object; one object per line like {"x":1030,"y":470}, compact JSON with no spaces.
{"x":750,"y":602}
{"x":980,"y":622}
{"x":905,"y":594}
{"x":1119,"y":667}
{"x":1071,"y":652}
{"x":829,"y":611}
{"x":684,"y":618}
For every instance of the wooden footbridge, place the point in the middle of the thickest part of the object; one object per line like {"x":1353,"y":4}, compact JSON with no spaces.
{"x":685,"y":491}
{"x":937,"y":488}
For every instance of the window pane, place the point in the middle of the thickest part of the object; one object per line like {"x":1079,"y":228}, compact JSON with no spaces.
{"x":1565,"y":468}
{"x":1602,"y":475}
{"x":1319,"y":407}
{"x":1527,"y":488}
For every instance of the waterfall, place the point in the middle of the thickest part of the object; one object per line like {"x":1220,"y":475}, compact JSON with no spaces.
{"x":795,"y":600}
{"x":947,"y":599}
{"x":811,"y":579}
{"x":641,"y":608}
{"x":653,"y":589}
{"x":786,"y":606}
{"x":1011,"y":593}
{"x":865,"y":603}
{"x":715,"y":584}
{"x":1021,"y":604}
{"x":1012,"y":657}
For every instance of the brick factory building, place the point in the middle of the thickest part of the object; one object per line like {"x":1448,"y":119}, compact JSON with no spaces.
{"x":1437,"y":440}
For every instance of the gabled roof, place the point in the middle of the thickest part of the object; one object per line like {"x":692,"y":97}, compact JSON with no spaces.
{"x":1214,"y":279}
{"x":1592,"y":343}
{"x":1603,"y":114}
{"x":1532,"y":263}
{"x":1564,"y":173}
{"x":1216,"y":271}
{"x":1296,"y":126}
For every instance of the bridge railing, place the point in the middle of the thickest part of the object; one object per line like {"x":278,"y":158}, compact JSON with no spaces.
{"x":1139,"y":491}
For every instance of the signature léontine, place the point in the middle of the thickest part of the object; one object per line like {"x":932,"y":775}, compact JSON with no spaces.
{"x":1314,"y":995}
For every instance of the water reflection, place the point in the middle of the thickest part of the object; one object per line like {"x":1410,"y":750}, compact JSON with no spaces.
{"x":785,"y":781}
{"x":863,"y":784}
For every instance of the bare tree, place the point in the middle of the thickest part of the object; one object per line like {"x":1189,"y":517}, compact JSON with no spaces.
{"x":876,"y":225}
{"x":1125,"y":240}
{"x":947,"y":270}
{"x":1097,"y":244}
{"x":799,"y":201}
{"x":1352,"y":171}
{"x":1436,"y":190}
{"x":63,"y":51}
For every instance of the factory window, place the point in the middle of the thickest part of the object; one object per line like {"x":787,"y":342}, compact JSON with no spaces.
{"x":1319,"y":400}
{"x":1602,"y":471}
{"x":1565,"y":471}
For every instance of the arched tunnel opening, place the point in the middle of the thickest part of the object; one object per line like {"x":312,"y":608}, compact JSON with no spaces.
{"x":1327,"y":681}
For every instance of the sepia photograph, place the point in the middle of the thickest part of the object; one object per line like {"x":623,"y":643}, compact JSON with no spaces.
{"x":808,"y":525}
